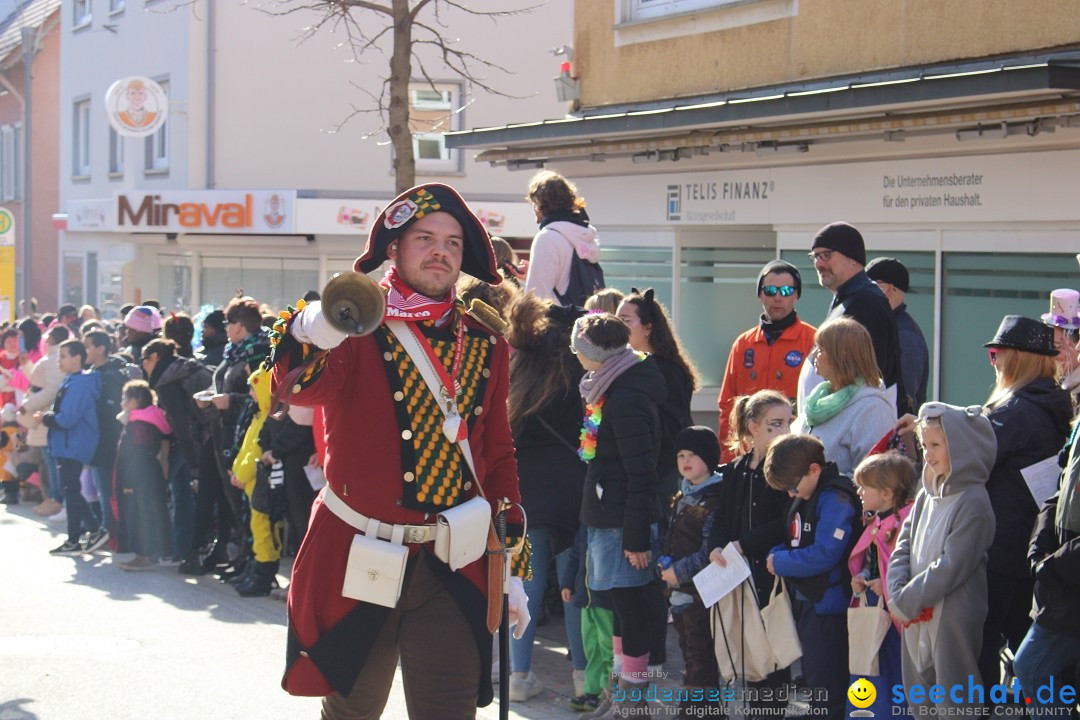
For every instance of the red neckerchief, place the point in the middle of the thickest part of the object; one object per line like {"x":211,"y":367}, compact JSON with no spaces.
{"x":455,"y":429}
{"x":404,"y":303}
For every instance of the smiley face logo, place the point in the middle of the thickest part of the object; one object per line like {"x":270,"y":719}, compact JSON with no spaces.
{"x":862,"y":693}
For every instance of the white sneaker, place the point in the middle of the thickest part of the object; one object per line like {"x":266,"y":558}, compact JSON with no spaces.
{"x":579,"y":683}
{"x":60,"y":517}
{"x":524,"y":687}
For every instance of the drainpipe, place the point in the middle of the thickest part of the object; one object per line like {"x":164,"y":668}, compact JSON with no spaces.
{"x":211,"y":39}
{"x":29,"y":38}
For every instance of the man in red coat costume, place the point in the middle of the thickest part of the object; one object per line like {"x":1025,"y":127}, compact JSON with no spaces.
{"x":389,"y":457}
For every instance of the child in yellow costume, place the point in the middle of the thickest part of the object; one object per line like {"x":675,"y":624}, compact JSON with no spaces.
{"x":246,"y":474}
{"x":9,"y":444}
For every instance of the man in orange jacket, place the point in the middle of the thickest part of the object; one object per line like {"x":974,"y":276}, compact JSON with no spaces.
{"x":769,"y":356}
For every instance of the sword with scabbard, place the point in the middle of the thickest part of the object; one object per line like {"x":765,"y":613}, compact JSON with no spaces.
{"x":501,"y":555}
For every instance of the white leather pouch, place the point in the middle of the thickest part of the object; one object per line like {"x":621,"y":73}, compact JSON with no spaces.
{"x":375,"y":571}
{"x":461,"y":534}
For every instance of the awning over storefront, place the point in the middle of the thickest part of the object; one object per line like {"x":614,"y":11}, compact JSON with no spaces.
{"x":987,"y":98}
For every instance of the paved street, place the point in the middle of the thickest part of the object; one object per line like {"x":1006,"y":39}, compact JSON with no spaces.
{"x":82,"y":640}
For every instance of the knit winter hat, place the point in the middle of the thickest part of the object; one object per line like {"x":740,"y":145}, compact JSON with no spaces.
{"x":890,"y":270}
{"x":581,"y":345}
{"x":843,"y":238}
{"x":143,"y":319}
{"x":701,"y":441}
{"x":780,"y":266}
{"x":215,"y":319}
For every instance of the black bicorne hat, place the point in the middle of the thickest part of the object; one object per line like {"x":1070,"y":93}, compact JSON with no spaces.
{"x":478,"y":258}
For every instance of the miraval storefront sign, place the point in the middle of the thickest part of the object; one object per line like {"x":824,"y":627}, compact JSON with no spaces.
{"x":262,"y":212}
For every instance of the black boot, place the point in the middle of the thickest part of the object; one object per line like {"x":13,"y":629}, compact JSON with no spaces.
{"x":263,"y":580}
{"x":245,"y":575}
{"x":11,"y":492}
{"x":191,"y":565}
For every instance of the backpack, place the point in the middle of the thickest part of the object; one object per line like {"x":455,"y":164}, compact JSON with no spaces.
{"x":586,"y":278}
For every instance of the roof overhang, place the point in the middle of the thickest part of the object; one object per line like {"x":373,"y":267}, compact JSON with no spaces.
{"x":999,"y":97}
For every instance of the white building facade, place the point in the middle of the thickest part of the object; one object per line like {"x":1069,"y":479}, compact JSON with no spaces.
{"x":263,"y":179}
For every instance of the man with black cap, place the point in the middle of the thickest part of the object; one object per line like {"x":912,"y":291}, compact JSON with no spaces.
{"x":401,"y":406}
{"x":839,"y":256}
{"x":769,"y":356}
{"x":214,"y":339}
{"x":892,"y":277}
{"x":68,"y":315}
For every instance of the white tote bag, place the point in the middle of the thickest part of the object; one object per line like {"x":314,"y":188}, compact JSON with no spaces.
{"x":780,"y":625}
{"x":741,"y":645}
{"x":867,"y":626}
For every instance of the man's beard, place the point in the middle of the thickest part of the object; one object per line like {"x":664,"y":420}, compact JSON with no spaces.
{"x":433,"y":289}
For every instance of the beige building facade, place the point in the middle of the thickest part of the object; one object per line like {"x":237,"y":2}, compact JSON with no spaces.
{"x":710,"y":136}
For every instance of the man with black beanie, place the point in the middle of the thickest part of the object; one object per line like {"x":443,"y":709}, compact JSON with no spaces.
{"x":769,"y":356}
{"x":214,"y":339}
{"x":839,"y":256}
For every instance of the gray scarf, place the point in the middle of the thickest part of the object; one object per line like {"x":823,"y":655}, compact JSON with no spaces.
{"x":596,"y":382}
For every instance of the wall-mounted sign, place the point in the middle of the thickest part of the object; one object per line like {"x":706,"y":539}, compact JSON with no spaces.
{"x":207,"y":211}
{"x":136,"y":106}
{"x":7,"y":265}
{"x":7,"y":228}
{"x":255,"y":212}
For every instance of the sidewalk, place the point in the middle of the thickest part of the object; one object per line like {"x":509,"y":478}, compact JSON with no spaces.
{"x":551,"y":663}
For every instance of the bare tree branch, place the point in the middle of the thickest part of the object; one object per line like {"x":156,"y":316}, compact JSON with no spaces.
{"x":367,"y":24}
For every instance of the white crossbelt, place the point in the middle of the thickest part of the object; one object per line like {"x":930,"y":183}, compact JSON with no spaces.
{"x":416,"y":534}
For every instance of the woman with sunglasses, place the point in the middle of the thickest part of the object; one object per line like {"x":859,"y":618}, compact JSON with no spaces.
{"x":851,"y":410}
{"x":1030,"y":415}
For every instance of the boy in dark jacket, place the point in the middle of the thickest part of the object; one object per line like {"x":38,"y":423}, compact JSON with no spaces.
{"x":821,"y":533}
{"x":685,"y":553}
{"x":73,"y":438}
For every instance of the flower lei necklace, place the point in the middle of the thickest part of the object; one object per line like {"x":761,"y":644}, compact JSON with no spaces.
{"x":589,"y":428}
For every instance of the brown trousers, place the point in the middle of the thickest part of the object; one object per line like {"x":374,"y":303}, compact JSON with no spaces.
{"x":440,"y":665}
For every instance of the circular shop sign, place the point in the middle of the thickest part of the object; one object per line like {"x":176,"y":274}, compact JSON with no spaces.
{"x":137,"y":106}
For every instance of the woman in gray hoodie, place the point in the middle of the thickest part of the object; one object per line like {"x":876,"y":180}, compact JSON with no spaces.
{"x":937,"y":573}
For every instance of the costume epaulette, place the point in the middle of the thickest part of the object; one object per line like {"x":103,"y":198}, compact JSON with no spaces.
{"x":487,"y":316}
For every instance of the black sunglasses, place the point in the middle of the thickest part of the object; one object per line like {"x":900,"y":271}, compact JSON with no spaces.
{"x":784,"y":290}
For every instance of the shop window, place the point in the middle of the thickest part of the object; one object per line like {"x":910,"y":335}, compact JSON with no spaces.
{"x":81,"y":141}
{"x":716,"y":303}
{"x":73,"y":291}
{"x":978,"y":290}
{"x":434,"y":110}
{"x":174,"y":282}
{"x":157,"y":145}
{"x":278,"y":282}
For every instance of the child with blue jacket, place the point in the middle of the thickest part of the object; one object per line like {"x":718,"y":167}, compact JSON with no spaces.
{"x":821,"y":529}
{"x":73,"y":438}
